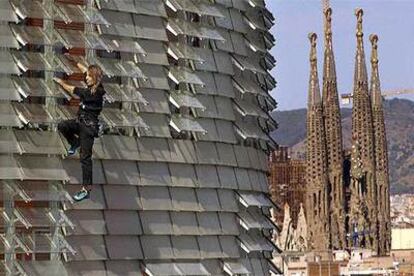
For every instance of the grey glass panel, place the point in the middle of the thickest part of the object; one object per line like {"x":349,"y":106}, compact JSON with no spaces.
{"x":7,"y":13}
{"x":123,"y":247}
{"x":88,"y":222}
{"x":120,"y":44}
{"x":156,"y":77}
{"x":193,"y":29}
{"x":208,"y":199}
{"x":185,"y":99}
{"x":8,"y":91}
{"x":254,"y":219}
{"x":254,"y":157}
{"x":243,"y":180}
{"x":122,"y":197}
{"x":150,"y":27}
{"x":157,"y":102}
{"x":184,"y":51}
{"x":86,"y":268}
{"x":124,"y":268}
{"x":155,"y":52}
{"x":254,"y":199}
{"x":157,"y":247}
{"x":88,"y":247}
{"x":207,"y":176}
{"x":226,"y":154}
{"x":211,"y":109}
{"x":184,"y":75}
{"x":255,"y":20}
{"x":158,"y":125}
{"x":227,"y":177}
{"x":226,"y":132}
{"x":73,"y":169}
{"x":123,"y":93}
{"x":250,"y":109}
{"x":163,"y":268}
{"x":120,"y":5}
{"x":229,"y":224}
{"x":223,"y":62}
{"x":250,"y":130}
{"x":242,"y":5}
{"x":210,"y":247}
{"x":182,"y":151}
{"x":75,"y":13}
{"x":30,"y":8}
{"x":119,"y":147}
{"x":255,"y":243}
{"x":210,"y":126}
{"x":7,"y":40}
{"x":214,"y":267}
{"x":245,"y":85}
{"x":209,"y":223}
{"x":209,"y":87}
{"x":8,"y":142}
{"x":224,"y":85}
{"x":264,"y":166}
{"x":184,"y":199}
{"x":239,"y":24}
{"x":236,"y":267}
{"x":156,"y":223}
{"x":246,"y":63}
{"x":224,"y":22}
{"x":123,"y":118}
{"x":40,"y":142}
{"x":225,"y":108}
{"x":195,"y":268}
{"x":146,"y":7}
{"x":7,"y":64}
{"x":229,"y":246}
{"x":155,"y":198}
{"x":96,"y":202}
{"x":254,"y":180}
{"x":242,"y":156}
{"x":115,"y":67}
{"x":228,"y":200}
{"x":122,"y":222}
{"x":206,"y":153}
{"x":185,"y":247}
{"x":239,"y":43}
{"x":208,"y":63}
{"x":257,"y":267}
{"x":183,"y":175}
{"x":121,"y":172}
{"x":33,"y":113}
{"x":154,"y":174}
{"x":44,"y":268}
{"x":77,"y":39}
{"x":36,"y":87}
{"x":263,"y":183}
{"x":37,"y":217}
{"x":226,"y":45}
{"x":181,"y":123}
{"x":42,"y":168}
{"x":31,"y":34}
{"x":154,"y":149}
{"x":184,"y":223}
{"x":122,"y":24}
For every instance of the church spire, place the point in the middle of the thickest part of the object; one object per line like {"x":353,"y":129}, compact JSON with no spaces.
{"x":362,"y":130}
{"x":316,"y":186}
{"x":381,"y":156}
{"x":333,"y":131}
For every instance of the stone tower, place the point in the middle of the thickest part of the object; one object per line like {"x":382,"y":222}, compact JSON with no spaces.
{"x":363,"y":184}
{"x":333,"y":131}
{"x":381,"y":156}
{"x":316,"y":174}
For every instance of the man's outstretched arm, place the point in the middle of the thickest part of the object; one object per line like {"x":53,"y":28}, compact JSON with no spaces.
{"x":67,"y":87}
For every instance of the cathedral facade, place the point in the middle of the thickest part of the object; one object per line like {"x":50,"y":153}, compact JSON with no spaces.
{"x":347,"y":195}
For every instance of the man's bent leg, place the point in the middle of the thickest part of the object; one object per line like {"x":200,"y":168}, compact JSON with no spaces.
{"x":69,"y":129}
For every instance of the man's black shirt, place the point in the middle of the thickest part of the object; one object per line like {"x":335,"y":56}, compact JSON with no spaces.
{"x":91,"y":104}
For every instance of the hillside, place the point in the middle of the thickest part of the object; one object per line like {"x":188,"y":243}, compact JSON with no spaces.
{"x":399,"y":120}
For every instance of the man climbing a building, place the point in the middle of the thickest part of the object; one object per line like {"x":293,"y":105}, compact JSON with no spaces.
{"x":82,"y":131}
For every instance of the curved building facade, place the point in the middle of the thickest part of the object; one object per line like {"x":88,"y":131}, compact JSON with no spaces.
{"x":180,"y":175}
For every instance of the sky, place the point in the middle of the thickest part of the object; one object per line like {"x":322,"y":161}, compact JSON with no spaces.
{"x":391,"y":20}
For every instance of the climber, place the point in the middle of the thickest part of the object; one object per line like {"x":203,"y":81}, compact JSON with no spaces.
{"x":82,"y":131}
